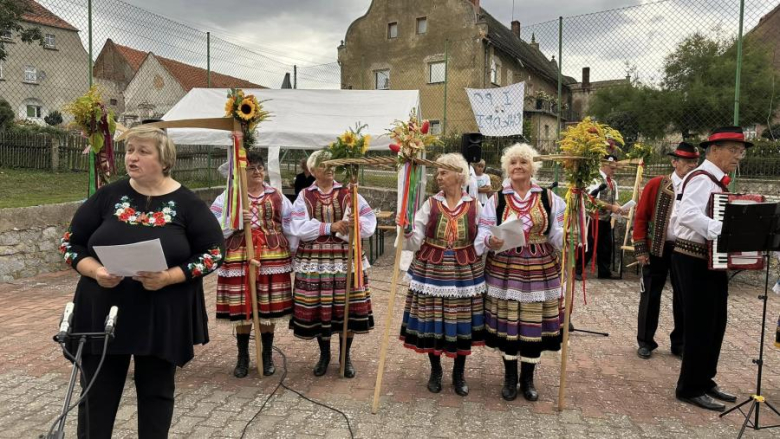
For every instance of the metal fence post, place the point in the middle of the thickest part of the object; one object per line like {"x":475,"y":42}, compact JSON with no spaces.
{"x":295,"y":76}
{"x":446,"y":80}
{"x":208,"y":59}
{"x":560,"y":94}
{"x":92,"y":185}
{"x":733,"y":185}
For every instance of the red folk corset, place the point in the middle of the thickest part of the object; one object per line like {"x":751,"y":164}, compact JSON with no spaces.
{"x":440,"y":222}
{"x":270,"y":219}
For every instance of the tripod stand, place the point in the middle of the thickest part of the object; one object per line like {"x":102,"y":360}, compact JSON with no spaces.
{"x":756,"y":218}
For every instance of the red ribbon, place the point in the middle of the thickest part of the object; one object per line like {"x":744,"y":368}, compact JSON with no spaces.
{"x":686,"y":154}
{"x":725,"y":180}
{"x":727,"y":136}
{"x":258,"y":240}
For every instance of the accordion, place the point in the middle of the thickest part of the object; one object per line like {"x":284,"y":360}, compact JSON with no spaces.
{"x":731,"y":261}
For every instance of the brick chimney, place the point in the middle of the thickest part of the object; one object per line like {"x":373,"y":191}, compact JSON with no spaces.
{"x":586,"y":78}
{"x":516,"y":28}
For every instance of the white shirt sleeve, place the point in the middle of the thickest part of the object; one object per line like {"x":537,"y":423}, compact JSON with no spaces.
{"x":557,"y":210}
{"x":216,"y":208}
{"x":305,"y":228}
{"x":487,"y":218}
{"x":690,"y":212}
{"x":292,"y":239}
{"x":415,"y":239}
{"x":367,"y":217}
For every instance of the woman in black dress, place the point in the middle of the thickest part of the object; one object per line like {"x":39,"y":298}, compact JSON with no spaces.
{"x":161,"y":314}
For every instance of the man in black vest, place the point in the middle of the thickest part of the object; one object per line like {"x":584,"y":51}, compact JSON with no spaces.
{"x":704,"y":291}
{"x":604,"y":188}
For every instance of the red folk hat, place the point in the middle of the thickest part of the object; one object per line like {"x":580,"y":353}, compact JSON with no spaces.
{"x":730,"y":134}
{"x":685,"y":151}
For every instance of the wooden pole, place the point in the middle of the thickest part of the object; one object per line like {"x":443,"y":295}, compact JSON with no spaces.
{"x":354,"y":234}
{"x":388,"y":319}
{"x":250,"y":255}
{"x":634,"y":196}
{"x":565,"y":343}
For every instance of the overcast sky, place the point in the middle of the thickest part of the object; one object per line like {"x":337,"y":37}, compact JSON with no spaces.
{"x":260,"y":40}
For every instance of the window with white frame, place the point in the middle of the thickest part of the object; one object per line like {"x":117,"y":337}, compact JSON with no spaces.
{"x":436,"y":72}
{"x":422,"y":25}
{"x":382,"y":79}
{"x":30,"y":74}
{"x":34,"y":111}
{"x":495,"y":71}
{"x":392,"y":30}
{"x":49,"y":41}
{"x":435,"y":127}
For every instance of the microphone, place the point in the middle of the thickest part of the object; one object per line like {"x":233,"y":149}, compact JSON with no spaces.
{"x":111,"y":321}
{"x":67,"y":318}
{"x":553,"y":186}
{"x":596,"y":191}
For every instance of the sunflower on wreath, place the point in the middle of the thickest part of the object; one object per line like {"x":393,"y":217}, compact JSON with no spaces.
{"x":353,"y":144}
{"x":247,"y":110}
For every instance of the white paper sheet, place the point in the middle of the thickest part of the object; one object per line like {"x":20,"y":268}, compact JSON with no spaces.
{"x":511,"y":232}
{"x":129,"y":259}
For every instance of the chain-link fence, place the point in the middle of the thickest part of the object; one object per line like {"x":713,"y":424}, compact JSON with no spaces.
{"x":659,"y":72}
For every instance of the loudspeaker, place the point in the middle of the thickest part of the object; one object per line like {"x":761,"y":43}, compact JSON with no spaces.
{"x":471,"y":147}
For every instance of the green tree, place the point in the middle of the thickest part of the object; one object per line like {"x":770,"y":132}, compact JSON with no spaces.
{"x":11,"y":12}
{"x":633,"y":109}
{"x":53,"y":119}
{"x":696,"y":93}
{"x":699,"y":79}
{"x":6,"y":115}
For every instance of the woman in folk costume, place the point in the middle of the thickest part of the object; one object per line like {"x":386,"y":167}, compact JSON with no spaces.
{"x":321,"y":220}
{"x":444,"y":306}
{"x":269,"y":213}
{"x":523,"y":307}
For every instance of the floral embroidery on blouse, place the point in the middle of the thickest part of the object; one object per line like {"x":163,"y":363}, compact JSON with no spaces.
{"x":128,"y":214}
{"x":206,"y":263}
{"x":65,"y":248}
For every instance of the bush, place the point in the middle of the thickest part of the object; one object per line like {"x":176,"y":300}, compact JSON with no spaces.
{"x":6,"y":115}
{"x":53,"y":119}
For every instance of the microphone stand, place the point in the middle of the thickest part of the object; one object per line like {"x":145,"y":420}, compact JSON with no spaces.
{"x":59,"y":433}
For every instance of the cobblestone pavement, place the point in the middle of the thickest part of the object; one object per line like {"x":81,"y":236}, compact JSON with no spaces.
{"x":610,"y":391}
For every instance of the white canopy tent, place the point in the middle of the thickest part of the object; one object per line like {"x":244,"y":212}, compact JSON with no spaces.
{"x":300,"y":119}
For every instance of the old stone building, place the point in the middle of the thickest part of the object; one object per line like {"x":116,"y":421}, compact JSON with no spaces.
{"x":441,"y":47}
{"x":140,"y":85}
{"x":38,"y":79}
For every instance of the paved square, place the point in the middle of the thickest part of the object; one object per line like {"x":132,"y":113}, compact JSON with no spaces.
{"x":610,"y":392}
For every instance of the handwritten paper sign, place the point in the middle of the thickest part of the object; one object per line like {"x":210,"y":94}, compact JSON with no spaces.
{"x":498,"y":111}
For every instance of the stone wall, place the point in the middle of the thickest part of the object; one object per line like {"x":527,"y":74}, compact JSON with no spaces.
{"x":29,"y":237}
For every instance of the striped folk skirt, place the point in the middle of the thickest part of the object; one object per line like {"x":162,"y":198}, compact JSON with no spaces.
{"x":320,"y":290}
{"x":274,"y":288}
{"x":524,"y":307}
{"x":444,"y":310}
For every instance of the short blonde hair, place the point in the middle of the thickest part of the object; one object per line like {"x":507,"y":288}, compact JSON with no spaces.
{"x":166,"y":149}
{"x":456,"y":159}
{"x":520,"y":150}
{"x":316,"y":158}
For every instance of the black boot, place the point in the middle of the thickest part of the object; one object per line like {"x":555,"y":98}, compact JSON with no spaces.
{"x":268,"y":360}
{"x":349,"y":369}
{"x":322,"y":365}
{"x":527,"y":381}
{"x":434,"y":382}
{"x":242,"y":365}
{"x":509,"y":392}
{"x":459,"y":376}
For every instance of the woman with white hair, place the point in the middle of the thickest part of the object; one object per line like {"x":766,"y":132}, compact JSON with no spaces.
{"x":321,"y":220}
{"x":444,"y":306}
{"x":523,"y":307}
